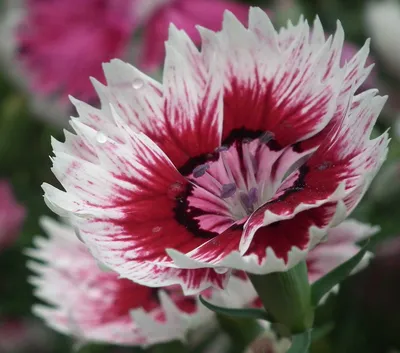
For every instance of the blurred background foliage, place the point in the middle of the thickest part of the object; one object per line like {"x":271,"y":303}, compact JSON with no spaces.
{"x":359,"y":326}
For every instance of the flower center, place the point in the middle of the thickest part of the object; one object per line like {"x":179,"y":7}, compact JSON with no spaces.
{"x":228,"y":185}
{"x":232,"y":178}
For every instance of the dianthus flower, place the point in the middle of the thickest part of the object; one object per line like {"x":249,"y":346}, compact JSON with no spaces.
{"x":59,"y":44}
{"x":90,"y":303}
{"x":244,"y":157}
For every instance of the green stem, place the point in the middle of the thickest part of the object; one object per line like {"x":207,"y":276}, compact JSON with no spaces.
{"x":174,"y":346}
{"x":287,"y":297}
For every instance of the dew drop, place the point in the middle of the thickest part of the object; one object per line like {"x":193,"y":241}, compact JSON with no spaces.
{"x":175,"y":191}
{"x":137,"y":83}
{"x":101,"y":138}
{"x":221,"y":270}
{"x":156,"y":229}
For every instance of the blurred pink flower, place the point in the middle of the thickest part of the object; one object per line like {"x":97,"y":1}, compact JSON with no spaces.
{"x":185,"y":14}
{"x":92,"y":303}
{"x":11,"y":215}
{"x":340,"y":246}
{"x":62,"y":43}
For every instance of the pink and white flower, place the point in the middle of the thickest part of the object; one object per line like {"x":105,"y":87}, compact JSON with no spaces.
{"x":340,"y":246}
{"x":243,"y":158}
{"x":96,"y":305}
{"x":61,"y":43}
{"x":12,"y":215}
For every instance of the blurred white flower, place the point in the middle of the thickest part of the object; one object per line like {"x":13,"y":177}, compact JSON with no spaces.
{"x":382,"y":22}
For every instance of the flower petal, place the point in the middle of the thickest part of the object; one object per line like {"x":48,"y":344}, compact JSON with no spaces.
{"x":291,"y":97}
{"x":268,"y":253}
{"x":94,"y":305}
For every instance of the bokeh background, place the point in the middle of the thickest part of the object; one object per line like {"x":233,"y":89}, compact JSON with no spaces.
{"x":366,"y":312}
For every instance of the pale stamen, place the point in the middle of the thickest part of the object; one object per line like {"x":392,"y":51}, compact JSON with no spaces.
{"x":227,"y":167}
{"x":251,"y":165}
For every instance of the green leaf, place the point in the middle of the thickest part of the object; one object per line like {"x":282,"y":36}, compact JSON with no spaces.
{"x":326,"y":283}
{"x":244,"y":313}
{"x":300,"y":343}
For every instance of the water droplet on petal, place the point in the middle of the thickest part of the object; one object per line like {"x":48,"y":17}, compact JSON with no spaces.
{"x":228,"y":190}
{"x":221,"y":270}
{"x":156,"y":229}
{"x":101,"y":138}
{"x":175,"y":191}
{"x":137,"y":83}
{"x":200,"y":170}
